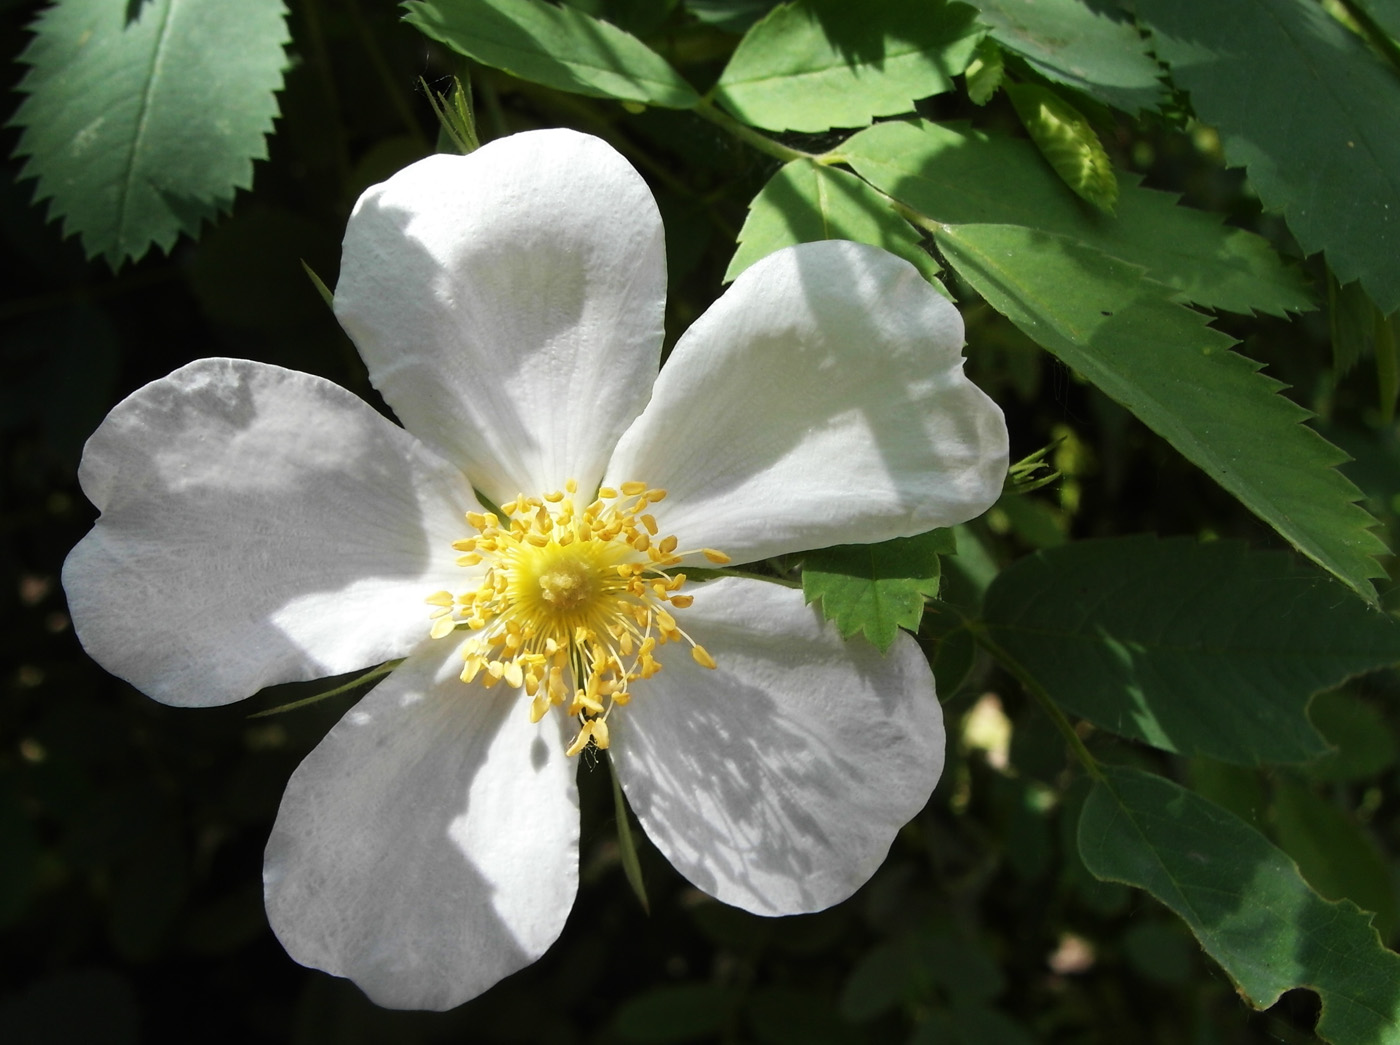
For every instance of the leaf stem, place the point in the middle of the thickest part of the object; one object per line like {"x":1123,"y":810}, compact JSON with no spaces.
{"x":709,"y":111}
{"x":978,"y":630}
{"x":1374,"y":34}
{"x":627,"y":845}
{"x":368,"y":676}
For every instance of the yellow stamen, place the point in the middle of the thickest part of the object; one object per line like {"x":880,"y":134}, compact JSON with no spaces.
{"x":571,"y":605}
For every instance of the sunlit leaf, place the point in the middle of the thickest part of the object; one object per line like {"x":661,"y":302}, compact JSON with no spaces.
{"x":957,"y":175}
{"x":876,"y":588}
{"x":1160,"y":360}
{"x":1245,"y":901}
{"x":1067,"y":142}
{"x":829,"y":63}
{"x":806,"y":201}
{"x":141,"y":121}
{"x":559,"y":47}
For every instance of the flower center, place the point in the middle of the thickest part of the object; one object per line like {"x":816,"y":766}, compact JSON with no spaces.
{"x":572,"y":604}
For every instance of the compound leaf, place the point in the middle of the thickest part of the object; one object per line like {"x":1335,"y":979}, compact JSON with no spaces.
{"x":957,"y":175}
{"x":1160,"y":360}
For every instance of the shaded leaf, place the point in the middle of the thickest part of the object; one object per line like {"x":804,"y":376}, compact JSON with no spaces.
{"x":960,"y":176}
{"x":1203,"y":649}
{"x":559,"y":47}
{"x":680,"y":1013}
{"x":139,"y":130}
{"x":1245,"y":901}
{"x":1162,"y":362}
{"x":806,"y":201}
{"x":1080,"y":45}
{"x":1363,"y":741}
{"x":1334,"y":853}
{"x":876,"y":588}
{"x":819,"y":64}
{"x":1331,"y":165}
{"x":1067,"y":142}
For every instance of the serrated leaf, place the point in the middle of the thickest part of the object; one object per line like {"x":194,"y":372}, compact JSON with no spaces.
{"x":985,"y":72}
{"x":1312,"y":114}
{"x":1245,"y":901}
{"x":806,"y":201}
{"x":1333,"y":852}
{"x":1352,"y":321}
{"x":559,"y":47}
{"x":1067,"y":142}
{"x":1160,"y":360}
{"x":957,"y":175}
{"x":876,"y":588}
{"x":1202,"y":649}
{"x":1085,"y":46}
{"x":817,"y":64}
{"x":140,"y":129}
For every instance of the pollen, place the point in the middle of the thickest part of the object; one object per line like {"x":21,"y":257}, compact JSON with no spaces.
{"x":572,"y":605}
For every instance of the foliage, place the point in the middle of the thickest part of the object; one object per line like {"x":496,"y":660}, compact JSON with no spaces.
{"x":1167,"y":673}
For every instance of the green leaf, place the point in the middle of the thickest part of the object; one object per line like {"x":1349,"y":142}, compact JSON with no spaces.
{"x":1352,"y":321}
{"x":626,"y":844}
{"x":1330,"y":163}
{"x":1385,"y":13}
{"x":876,"y":588}
{"x":1203,"y":649}
{"x":559,"y":47}
{"x":817,"y":64}
{"x":985,"y":72}
{"x":1067,"y":142}
{"x":1160,"y":360}
{"x":140,"y":129}
{"x":960,"y":176}
{"x":1363,"y":742}
{"x":1245,"y":901}
{"x":1334,"y":853}
{"x":806,"y":201}
{"x":1084,"y":46}
{"x":683,"y":1012}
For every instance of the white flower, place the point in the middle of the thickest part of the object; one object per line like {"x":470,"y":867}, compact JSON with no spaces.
{"x":261,"y":526}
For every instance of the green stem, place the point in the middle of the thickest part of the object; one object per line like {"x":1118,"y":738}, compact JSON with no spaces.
{"x":368,"y":676}
{"x":626,"y":844}
{"x":387,"y":77}
{"x":1375,"y":35}
{"x":1047,"y":704}
{"x":709,"y":111}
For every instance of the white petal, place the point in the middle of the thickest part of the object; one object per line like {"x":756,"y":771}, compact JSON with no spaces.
{"x":777,"y":781}
{"x":428,"y":846}
{"x":820,"y":401}
{"x":258,"y":525}
{"x":509,"y":305}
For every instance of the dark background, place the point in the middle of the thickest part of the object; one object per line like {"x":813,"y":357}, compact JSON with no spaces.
{"x":131,"y":834}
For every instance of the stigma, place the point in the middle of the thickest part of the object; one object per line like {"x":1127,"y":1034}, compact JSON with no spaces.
{"x":571,"y":605}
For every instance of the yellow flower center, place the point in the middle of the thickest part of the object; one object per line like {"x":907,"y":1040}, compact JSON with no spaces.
{"x":573,"y":604}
